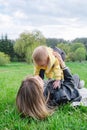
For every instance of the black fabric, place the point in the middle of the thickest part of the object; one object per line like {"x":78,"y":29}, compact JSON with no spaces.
{"x":41,"y":73}
{"x":66,"y":93}
{"x":76,"y":80}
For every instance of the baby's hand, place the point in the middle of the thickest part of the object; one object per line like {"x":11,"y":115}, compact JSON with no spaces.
{"x":56,"y":84}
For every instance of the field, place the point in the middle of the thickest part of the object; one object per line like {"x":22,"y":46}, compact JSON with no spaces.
{"x":65,"y":118}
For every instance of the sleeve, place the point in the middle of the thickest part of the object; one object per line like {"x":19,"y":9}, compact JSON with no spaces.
{"x":58,"y":72}
{"x":36,"y":70}
{"x":49,"y":75}
{"x":67,"y":74}
{"x":68,"y":78}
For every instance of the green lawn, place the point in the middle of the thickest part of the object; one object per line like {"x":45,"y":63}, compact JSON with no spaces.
{"x":65,"y":118}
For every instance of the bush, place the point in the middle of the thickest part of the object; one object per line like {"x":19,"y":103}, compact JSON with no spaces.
{"x":4,"y":58}
{"x":74,"y":51}
{"x":75,"y":46}
{"x":80,"y":54}
{"x":70,"y":56}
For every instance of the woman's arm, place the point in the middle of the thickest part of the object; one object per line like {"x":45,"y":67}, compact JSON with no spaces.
{"x":62,"y":63}
{"x":67,"y":74}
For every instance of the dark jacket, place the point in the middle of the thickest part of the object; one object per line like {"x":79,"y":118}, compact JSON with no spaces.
{"x":66,"y":93}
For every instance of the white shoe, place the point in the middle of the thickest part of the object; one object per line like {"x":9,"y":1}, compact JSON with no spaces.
{"x":81,"y":84}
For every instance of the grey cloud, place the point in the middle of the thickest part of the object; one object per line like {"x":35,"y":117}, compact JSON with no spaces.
{"x":63,"y":13}
{"x":54,"y":8}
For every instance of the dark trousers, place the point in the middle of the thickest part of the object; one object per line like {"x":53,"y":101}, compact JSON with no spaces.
{"x":41,"y":74}
{"x":76,"y":80}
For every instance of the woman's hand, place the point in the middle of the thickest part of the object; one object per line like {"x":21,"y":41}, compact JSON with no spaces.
{"x":62,"y":63}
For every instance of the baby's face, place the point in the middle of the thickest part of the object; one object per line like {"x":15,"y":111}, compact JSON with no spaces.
{"x":43,"y":63}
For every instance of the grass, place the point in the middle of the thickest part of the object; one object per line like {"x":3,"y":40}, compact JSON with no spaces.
{"x":65,"y":118}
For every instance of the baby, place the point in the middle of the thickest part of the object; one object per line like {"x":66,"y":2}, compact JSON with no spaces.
{"x":45,"y":60}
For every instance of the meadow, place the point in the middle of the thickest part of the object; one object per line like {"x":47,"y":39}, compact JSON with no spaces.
{"x":65,"y":117}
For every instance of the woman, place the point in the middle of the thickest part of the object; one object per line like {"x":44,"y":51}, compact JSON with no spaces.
{"x":32,"y":100}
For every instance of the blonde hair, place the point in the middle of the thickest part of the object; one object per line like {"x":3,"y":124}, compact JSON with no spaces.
{"x":40,"y":53}
{"x":30,"y":100}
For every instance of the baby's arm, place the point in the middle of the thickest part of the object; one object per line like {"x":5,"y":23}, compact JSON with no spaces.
{"x":58,"y":74}
{"x":61,"y":65}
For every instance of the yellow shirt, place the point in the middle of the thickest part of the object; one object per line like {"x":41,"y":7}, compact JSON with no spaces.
{"x":53,"y":69}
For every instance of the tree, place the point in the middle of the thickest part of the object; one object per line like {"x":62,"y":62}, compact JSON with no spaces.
{"x":80,"y":54}
{"x":74,"y":51}
{"x":26,"y":43}
{"x":4,"y":58}
{"x":6,"y":46}
{"x":75,"y":46}
{"x":64,"y":47}
{"x":81,"y":40}
{"x":52,"y":42}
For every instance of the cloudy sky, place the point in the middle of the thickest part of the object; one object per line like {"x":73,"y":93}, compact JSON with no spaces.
{"x":54,"y":18}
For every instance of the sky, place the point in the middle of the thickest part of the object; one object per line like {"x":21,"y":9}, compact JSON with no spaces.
{"x":65,"y":19}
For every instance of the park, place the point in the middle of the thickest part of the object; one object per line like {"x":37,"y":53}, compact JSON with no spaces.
{"x":24,"y":26}
{"x":65,"y":117}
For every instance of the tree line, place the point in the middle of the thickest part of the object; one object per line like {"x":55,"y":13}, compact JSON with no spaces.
{"x":21,"y":49}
